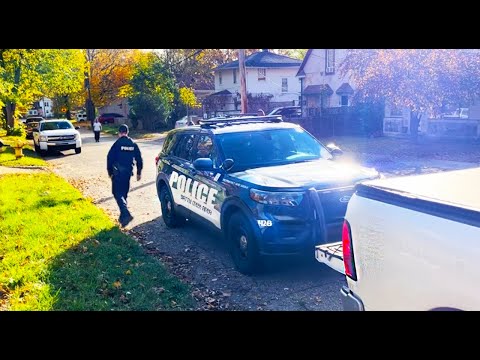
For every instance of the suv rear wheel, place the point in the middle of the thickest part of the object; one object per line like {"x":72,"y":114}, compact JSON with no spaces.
{"x":170,"y":217}
{"x":243,"y":245}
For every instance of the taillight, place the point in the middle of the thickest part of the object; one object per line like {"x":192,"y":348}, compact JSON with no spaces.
{"x":348,"y":259}
{"x":156,"y":159}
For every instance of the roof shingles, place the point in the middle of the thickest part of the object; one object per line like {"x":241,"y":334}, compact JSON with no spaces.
{"x":264,"y":59}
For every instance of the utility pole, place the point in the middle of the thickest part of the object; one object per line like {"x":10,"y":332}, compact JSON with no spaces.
{"x":90,"y":107}
{"x":243,"y":83}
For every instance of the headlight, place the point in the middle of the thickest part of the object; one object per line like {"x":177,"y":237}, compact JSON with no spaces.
{"x":43,"y":138}
{"x":276,"y":198}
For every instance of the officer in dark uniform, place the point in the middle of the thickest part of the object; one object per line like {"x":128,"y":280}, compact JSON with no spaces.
{"x":120,"y":169}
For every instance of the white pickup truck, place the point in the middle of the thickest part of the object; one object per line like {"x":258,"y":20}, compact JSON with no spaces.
{"x":411,"y":243}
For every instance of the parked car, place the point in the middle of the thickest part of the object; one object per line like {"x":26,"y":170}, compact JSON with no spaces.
{"x":287,"y":112}
{"x":81,"y":116}
{"x":108,"y":118}
{"x":56,"y":135}
{"x":461,"y":113}
{"x":186,"y":121}
{"x":270,"y":187}
{"x":31,"y":123}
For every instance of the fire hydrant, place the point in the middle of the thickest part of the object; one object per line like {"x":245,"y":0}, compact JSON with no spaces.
{"x":18,"y":146}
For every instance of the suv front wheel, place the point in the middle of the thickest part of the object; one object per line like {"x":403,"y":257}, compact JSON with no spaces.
{"x":243,"y":245}
{"x":170,"y":217}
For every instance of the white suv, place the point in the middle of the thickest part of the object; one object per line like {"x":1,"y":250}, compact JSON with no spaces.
{"x":56,"y":135}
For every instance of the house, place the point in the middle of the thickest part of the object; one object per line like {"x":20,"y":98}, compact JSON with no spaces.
{"x":270,"y":81}
{"x":322,"y":85}
{"x":324,"y":88}
{"x":42,"y":107}
{"x":118,"y":106}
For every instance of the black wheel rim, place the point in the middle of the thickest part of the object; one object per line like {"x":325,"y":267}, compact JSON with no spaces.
{"x":242,"y":243}
{"x":167,"y":207}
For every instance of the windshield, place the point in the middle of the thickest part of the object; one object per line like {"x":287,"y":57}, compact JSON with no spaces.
{"x":56,"y":125}
{"x":270,"y":147}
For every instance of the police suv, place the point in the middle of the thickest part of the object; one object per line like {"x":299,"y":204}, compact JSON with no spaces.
{"x":269,"y":186}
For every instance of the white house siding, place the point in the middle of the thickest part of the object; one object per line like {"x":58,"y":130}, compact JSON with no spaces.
{"x":119,"y":106}
{"x":271,"y":85}
{"x":315,"y":74}
{"x":227,"y":81}
{"x":45,"y":107}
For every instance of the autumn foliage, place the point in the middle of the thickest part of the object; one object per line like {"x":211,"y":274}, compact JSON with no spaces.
{"x":423,"y":80}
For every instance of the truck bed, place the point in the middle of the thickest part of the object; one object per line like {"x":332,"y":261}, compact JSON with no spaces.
{"x":416,"y":242}
{"x":450,"y":195}
{"x":331,"y":255}
{"x":457,"y":188}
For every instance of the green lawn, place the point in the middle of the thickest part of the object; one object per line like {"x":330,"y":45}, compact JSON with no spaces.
{"x":60,"y":252}
{"x":30,"y":158}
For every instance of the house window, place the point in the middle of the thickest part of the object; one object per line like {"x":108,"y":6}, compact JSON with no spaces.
{"x":262,"y":74}
{"x":344,"y":101}
{"x":284,"y":85}
{"x":234,"y":76}
{"x":220,"y":77}
{"x":329,"y":61}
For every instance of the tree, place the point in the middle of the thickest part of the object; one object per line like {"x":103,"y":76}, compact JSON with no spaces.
{"x":152,"y":92}
{"x":422,"y":80}
{"x":293,"y":53}
{"x":62,"y":72}
{"x":26,"y":75}
{"x":20,"y":81}
{"x":193,"y":68}
{"x":107,"y":72}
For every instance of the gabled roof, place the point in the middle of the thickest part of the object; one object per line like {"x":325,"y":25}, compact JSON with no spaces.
{"x":263,"y":59}
{"x":345,"y":88}
{"x":221,"y":93}
{"x":301,"y":72}
{"x":318,"y":89}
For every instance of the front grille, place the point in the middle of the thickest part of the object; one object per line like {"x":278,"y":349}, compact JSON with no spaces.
{"x":61,"y":138}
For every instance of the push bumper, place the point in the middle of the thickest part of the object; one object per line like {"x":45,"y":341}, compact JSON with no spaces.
{"x":351,"y":302}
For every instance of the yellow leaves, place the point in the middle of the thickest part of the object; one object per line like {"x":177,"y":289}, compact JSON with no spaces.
{"x":128,"y":272}
{"x":188,"y":97}
{"x":117,"y":284}
{"x":125,"y":91}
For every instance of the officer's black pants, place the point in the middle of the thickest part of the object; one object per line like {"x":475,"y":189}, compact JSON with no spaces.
{"x":97,"y":136}
{"x":120,"y":188}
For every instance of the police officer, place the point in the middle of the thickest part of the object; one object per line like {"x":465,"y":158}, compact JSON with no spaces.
{"x":120,"y":169}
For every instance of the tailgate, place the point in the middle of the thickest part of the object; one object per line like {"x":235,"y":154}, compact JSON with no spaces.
{"x":331,"y":255}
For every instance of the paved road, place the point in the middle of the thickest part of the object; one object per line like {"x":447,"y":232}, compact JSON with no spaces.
{"x":195,"y":255}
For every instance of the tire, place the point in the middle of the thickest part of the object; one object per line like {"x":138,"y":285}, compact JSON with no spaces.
{"x":170,"y":217}
{"x":78,"y":150}
{"x":243,"y":245}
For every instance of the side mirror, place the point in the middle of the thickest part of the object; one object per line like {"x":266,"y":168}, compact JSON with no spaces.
{"x":35,"y":130}
{"x":335,"y":150}
{"x":227,"y":164}
{"x":77,"y":127}
{"x":203,"y":164}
